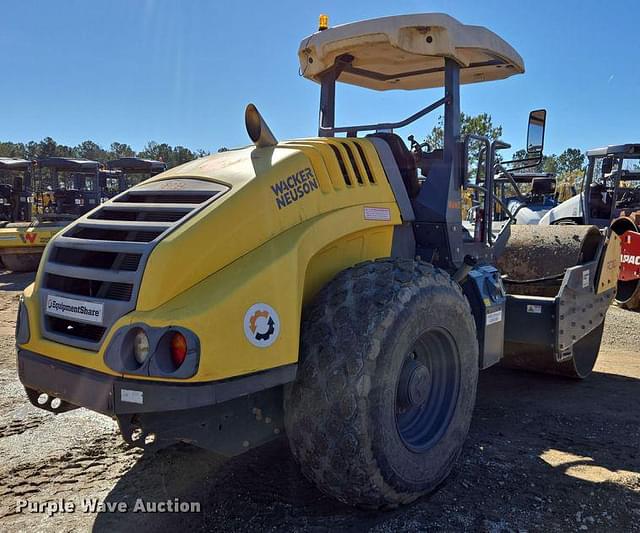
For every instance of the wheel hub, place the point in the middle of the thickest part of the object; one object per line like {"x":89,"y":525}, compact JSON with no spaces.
{"x":414,"y":385}
{"x":427,"y":390}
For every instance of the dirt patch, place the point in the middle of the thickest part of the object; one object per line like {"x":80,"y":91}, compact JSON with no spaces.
{"x":543,"y":453}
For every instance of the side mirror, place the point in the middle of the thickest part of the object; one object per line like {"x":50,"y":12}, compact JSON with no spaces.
{"x":535,"y":131}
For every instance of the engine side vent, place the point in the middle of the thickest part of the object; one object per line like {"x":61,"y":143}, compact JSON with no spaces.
{"x":341,"y":161}
{"x":365,"y":162}
{"x":343,"y":168}
{"x":352,"y":160}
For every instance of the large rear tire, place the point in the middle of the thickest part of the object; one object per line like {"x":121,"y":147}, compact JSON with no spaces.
{"x":21,"y":262}
{"x":386,"y":384}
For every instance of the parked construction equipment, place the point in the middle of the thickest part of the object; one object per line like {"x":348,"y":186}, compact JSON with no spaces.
{"x":15,"y":190}
{"x":66,"y":188}
{"x":75,"y":184}
{"x":319,"y":286}
{"x":610,"y":197}
{"x":534,"y":196}
{"x":57,"y":199}
{"x":130,"y":167}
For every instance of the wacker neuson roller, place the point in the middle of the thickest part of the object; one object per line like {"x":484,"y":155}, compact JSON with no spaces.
{"x":323,"y":287}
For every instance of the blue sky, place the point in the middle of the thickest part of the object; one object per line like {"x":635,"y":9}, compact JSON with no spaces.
{"x":182,"y":72}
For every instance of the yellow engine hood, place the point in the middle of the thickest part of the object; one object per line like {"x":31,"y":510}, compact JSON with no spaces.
{"x":270,"y":190}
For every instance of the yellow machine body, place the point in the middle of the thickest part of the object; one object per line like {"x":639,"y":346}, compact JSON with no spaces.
{"x":269,"y":239}
{"x":26,"y":239}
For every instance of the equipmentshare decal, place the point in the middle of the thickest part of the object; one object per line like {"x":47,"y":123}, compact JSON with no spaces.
{"x":74,"y":309}
{"x":261,"y":325}
{"x":294,"y":187}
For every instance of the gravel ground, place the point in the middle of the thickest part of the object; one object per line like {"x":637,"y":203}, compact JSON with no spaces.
{"x":543,"y":453}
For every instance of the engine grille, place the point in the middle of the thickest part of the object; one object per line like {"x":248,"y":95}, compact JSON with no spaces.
{"x":100,"y":258}
{"x":109,"y":290}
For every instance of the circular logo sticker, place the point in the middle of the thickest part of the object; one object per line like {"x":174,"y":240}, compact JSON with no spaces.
{"x":261,"y":325}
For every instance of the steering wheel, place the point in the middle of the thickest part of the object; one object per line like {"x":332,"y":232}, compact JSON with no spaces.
{"x":417,"y":147}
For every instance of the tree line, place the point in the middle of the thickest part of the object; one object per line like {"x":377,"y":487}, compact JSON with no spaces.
{"x":48,"y":147}
{"x":568,"y":165}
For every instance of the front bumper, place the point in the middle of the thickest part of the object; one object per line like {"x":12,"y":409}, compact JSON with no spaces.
{"x":116,"y":396}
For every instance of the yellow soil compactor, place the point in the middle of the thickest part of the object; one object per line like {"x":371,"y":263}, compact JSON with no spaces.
{"x":327,"y":287}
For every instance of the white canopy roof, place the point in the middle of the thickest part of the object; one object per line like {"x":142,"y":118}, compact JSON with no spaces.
{"x":408,"y":51}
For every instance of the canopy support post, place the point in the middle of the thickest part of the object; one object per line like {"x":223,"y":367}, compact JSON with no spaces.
{"x":327,"y":103}
{"x":328,"y":95}
{"x":451,"y":112}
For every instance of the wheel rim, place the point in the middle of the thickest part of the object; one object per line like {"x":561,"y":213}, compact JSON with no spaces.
{"x":427,"y":390}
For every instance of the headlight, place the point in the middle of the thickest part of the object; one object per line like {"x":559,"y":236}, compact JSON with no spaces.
{"x":140,"y":346}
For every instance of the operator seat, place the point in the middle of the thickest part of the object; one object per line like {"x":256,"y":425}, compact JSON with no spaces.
{"x":543,"y":186}
{"x":600,"y":208}
{"x":404,"y":159}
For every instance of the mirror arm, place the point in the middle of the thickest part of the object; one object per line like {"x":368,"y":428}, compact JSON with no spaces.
{"x":500,"y":145}
{"x":534,"y":164}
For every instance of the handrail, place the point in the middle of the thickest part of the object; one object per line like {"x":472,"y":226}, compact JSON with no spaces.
{"x":495,"y":199}
{"x":511,"y":180}
{"x":488,"y":191}
{"x":388,"y":125}
{"x":467,"y":139}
